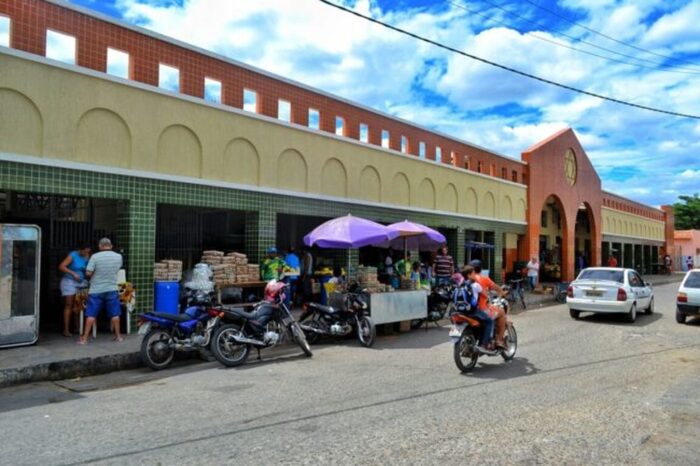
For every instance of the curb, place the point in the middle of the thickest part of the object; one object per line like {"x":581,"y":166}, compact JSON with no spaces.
{"x":68,"y":369}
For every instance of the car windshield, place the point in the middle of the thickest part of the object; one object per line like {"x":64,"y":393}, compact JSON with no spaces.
{"x":693,"y":280}
{"x":600,"y":274}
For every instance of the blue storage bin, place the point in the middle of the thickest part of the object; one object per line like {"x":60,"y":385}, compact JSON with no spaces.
{"x":167,"y":297}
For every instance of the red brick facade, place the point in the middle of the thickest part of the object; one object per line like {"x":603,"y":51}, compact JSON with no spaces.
{"x":31,"y":18}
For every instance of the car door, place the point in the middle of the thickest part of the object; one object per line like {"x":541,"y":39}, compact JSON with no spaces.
{"x":639,"y":290}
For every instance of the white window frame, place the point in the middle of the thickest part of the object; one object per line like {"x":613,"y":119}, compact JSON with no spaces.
{"x":210,"y":83}
{"x":364,"y":133}
{"x":118,"y":55}
{"x":54,"y":38}
{"x":421,"y":150}
{"x":404,"y":144}
{"x":339,"y":128}
{"x":317,"y":113}
{"x":8,"y":20}
{"x":164,"y":80}
{"x":386,"y":139}
{"x":284,"y":110}
{"x":248,"y":106}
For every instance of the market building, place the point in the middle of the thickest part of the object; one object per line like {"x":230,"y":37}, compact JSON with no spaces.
{"x":170,"y":149}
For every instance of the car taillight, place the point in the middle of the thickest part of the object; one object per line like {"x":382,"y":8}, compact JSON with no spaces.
{"x":682,"y":298}
{"x":570,"y":292}
{"x":621,"y":294}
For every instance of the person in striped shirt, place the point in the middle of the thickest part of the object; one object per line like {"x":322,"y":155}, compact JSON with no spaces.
{"x":443,"y":267}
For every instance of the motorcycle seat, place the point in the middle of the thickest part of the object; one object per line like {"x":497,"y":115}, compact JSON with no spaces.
{"x":173,"y":317}
{"x":322,"y":308}
{"x":240,"y":312}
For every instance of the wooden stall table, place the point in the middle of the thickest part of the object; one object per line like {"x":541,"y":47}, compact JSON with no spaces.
{"x":246,"y":285}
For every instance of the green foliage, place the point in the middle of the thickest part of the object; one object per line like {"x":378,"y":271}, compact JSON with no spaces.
{"x":687,"y":213}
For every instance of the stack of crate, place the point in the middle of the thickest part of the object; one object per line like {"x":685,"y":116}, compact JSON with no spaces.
{"x":367,"y":277}
{"x":167,"y":271}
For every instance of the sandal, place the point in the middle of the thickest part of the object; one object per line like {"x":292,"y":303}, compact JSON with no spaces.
{"x":118,"y":339}
{"x":81,"y":341}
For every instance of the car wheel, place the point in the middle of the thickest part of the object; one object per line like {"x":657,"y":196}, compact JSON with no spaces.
{"x":632,"y":314}
{"x":574,"y":314}
{"x":680,"y":317}
{"x":650,"y":310}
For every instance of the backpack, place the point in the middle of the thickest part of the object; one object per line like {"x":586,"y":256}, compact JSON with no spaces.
{"x":464,"y":298}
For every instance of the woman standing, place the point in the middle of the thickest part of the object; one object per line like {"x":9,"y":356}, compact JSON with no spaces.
{"x":73,"y":268}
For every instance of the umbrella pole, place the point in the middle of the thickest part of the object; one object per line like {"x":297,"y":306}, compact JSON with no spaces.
{"x":405,"y":257}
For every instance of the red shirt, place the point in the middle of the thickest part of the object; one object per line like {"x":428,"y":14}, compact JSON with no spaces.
{"x":612,"y":262}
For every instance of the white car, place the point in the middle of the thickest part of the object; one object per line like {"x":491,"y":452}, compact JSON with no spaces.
{"x":688,"y":300}
{"x":609,"y":290}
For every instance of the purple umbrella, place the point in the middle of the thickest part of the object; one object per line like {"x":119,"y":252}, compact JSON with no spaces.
{"x":348,"y":232}
{"x":413,"y":236}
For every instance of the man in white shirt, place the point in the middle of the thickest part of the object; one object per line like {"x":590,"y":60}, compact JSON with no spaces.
{"x":533,"y":271}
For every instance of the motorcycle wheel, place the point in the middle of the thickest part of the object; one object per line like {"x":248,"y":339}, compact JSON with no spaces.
{"x":300,"y":339}
{"x":313,"y":337}
{"x":416,"y":323}
{"x":226,"y":350}
{"x":156,"y":352}
{"x":366,"y":331}
{"x":465,"y":359}
{"x":511,"y":341}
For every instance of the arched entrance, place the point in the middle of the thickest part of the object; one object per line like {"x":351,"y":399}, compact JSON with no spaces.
{"x":552,"y":236}
{"x":585,"y":247}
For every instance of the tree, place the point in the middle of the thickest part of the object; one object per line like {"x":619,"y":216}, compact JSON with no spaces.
{"x":687,"y":212}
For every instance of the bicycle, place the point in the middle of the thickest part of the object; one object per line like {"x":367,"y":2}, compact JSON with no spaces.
{"x":515,"y":293}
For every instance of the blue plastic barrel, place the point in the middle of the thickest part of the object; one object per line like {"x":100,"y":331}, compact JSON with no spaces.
{"x":323,"y":280}
{"x":167,"y":297}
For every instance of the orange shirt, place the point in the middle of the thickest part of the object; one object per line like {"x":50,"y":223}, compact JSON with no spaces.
{"x":486,"y":285}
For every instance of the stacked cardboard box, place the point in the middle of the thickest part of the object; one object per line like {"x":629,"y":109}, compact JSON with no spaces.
{"x":367,"y":276}
{"x":167,"y":270}
{"x":212,"y":257}
{"x":237,"y":258}
{"x":247,"y":273}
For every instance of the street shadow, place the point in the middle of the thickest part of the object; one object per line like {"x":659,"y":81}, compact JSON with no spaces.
{"x":30,"y":396}
{"x":420,"y":338}
{"x":280,"y":355}
{"x":502,"y":370}
{"x":693,"y":321}
{"x":642,"y":319}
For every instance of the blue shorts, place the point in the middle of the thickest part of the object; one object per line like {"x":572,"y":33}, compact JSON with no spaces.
{"x":110,"y":301}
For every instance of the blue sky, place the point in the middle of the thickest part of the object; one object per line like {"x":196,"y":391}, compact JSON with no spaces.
{"x":639,"y":154}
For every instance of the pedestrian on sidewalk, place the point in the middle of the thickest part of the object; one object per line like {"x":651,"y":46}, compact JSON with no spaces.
{"x":612,"y":261}
{"x":689,"y":263}
{"x":533,"y":271}
{"x":102,"y":270}
{"x":73,"y":268}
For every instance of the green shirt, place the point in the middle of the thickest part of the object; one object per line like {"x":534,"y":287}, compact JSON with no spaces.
{"x":271,"y":268}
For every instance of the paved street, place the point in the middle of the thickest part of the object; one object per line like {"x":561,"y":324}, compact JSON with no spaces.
{"x":595,"y":391}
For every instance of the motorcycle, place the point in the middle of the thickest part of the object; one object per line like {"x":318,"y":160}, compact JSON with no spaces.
{"x":165,"y":333}
{"x":466,"y":330}
{"x":438,"y":303}
{"x":347,"y":312}
{"x":267,"y":325}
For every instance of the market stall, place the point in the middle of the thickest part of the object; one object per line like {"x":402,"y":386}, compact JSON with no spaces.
{"x":472,"y":246}
{"x":387,"y":305}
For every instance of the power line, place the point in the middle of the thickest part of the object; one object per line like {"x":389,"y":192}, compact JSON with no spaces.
{"x":504,"y":67}
{"x":598,"y":33}
{"x":587,"y":52}
{"x":656,"y":64}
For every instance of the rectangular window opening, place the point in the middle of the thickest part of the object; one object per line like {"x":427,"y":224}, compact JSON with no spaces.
{"x":421,"y":150}
{"x":504,"y":173}
{"x":314,"y":119}
{"x":339,"y":126}
{"x":250,"y":101}
{"x":117,"y":63}
{"x":60,"y":47}
{"x":364,"y":132}
{"x":466,"y":162}
{"x":453,"y":158}
{"x":212,"y":90}
{"x":479,"y":166}
{"x":168,"y":78}
{"x":284,"y":110}
{"x":438,"y":154}
{"x":4,"y":31}
{"x":385,"y":139}
{"x":514,"y":176}
{"x":404,"y":144}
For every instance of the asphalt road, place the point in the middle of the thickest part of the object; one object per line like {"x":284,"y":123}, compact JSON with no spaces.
{"x":594,"y":391}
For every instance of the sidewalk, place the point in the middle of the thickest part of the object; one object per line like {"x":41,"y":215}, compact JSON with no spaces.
{"x":537,"y":301}
{"x":55,"y":357}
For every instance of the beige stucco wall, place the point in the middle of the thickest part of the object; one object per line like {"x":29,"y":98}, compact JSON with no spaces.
{"x":620,"y":223}
{"x":59,"y":112}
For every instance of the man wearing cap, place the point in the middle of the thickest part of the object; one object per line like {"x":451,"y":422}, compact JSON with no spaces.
{"x":102,"y":271}
{"x":272,"y":266}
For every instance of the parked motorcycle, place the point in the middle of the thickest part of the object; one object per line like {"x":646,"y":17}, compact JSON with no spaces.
{"x":347,"y":312}
{"x":465,"y":333}
{"x":268,"y":324}
{"x":438,"y":303}
{"x":165,"y":333}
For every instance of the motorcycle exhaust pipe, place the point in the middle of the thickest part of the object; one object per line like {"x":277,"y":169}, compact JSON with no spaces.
{"x":312,"y":329}
{"x":248,"y":341}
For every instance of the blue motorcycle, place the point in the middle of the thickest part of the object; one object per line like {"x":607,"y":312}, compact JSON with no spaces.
{"x":165,"y":333}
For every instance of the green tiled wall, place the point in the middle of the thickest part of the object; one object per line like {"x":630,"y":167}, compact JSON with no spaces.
{"x":136,"y":222}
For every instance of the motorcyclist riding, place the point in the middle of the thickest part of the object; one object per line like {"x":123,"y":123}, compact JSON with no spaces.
{"x":495,"y":312}
{"x":487,"y":334}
